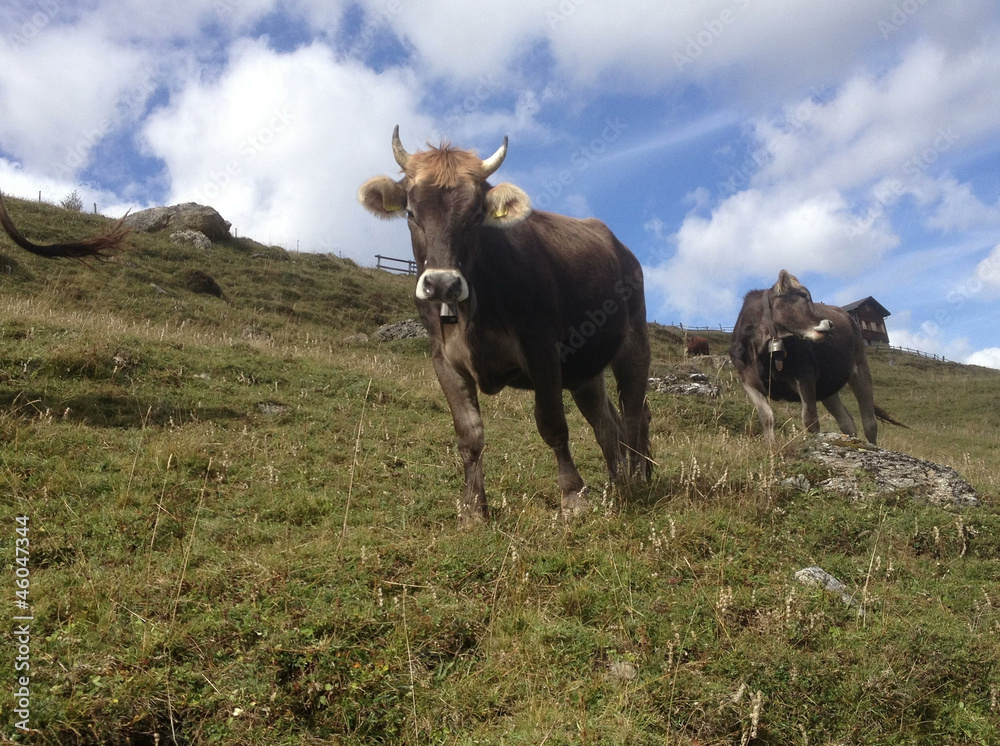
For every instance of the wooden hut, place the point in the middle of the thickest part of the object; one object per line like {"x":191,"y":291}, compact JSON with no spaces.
{"x":870,"y":315}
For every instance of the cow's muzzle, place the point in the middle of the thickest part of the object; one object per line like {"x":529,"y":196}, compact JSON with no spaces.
{"x":442,"y":285}
{"x":819,"y":332}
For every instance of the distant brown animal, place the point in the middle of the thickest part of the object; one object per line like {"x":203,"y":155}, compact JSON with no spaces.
{"x":96,"y":246}
{"x":522,"y":298}
{"x":697,"y":346}
{"x":786,"y":347}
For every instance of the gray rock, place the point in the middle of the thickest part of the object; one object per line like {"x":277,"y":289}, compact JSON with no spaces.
{"x":408,"y":329}
{"x":817,"y":576}
{"x":191,"y":238}
{"x":271,"y":408}
{"x":622,"y":671}
{"x":797,"y":482}
{"x":684,"y":384}
{"x":882,"y":471}
{"x":189,"y":215}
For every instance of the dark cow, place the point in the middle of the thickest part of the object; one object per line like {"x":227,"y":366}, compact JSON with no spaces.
{"x":787,"y":348}
{"x":95,"y":246}
{"x":697,"y":346}
{"x":522,"y":298}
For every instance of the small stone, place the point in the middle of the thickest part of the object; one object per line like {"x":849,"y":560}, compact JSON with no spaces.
{"x":820,"y":577}
{"x":622,"y":671}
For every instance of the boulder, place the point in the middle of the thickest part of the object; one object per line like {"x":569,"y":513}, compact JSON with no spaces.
{"x":191,"y":238}
{"x":861,"y":470}
{"x":186,"y":216}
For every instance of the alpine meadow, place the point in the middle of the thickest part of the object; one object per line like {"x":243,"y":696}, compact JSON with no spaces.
{"x":241,"y":524}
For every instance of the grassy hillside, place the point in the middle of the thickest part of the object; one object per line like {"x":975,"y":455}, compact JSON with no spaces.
{"x":242,"y":530}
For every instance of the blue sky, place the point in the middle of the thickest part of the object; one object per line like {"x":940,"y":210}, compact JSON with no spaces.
{"x":856,"y":144}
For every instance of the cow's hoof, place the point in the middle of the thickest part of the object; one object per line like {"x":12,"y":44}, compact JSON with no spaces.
{"x":575,"y":503}
{"x":468,"y":519}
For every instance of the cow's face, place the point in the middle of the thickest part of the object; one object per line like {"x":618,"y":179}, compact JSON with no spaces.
{"x":793,"y":311}
{"x":445,"y":200}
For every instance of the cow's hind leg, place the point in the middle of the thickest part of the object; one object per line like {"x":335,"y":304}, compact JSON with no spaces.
{"x":593,"y":401}
{"x":631,"y":369}
{"x":860,"y":382}
{"x":807,"y":392}
{"x":845,"y":422}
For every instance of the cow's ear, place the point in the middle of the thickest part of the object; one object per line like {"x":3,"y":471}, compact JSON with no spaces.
{"x":786,"y":282}
{"x":506,"y":205}
{"x":383,"y":197}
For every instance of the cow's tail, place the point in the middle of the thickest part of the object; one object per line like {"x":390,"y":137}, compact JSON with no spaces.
{"x":96,"y":246}
{"x":886,"y":417}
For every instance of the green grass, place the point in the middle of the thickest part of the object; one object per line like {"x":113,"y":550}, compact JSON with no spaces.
{"x":243,"y":531}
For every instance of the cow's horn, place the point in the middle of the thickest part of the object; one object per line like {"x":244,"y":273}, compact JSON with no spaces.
{"x":398,"y":151}
{"x":491,"y":164}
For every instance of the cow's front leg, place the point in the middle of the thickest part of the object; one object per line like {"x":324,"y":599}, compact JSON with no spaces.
{"x":764,"y":412}
{"x":463,"y":399}
{"x":550,"y":417}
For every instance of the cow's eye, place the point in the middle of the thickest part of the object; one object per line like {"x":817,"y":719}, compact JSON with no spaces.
{"x":408,"y":213}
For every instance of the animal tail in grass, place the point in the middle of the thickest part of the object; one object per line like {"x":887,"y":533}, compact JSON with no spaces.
{"x":886,"y":417}
{"x":96,"y":246}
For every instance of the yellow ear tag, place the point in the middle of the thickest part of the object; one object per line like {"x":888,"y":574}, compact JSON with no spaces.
{"x":500,"y":212}
{"x":391,"y":208}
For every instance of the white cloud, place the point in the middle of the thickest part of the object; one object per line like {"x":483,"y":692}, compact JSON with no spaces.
{"x":61,"y":93}
{"x":772,"y":47}
{"x":824,"y":178}
{"x":125,"y":22}
{"x":958,"y":209}
{"x":989,"y":357}
{"x":988,"y":270}
{"x":464,"y":41}
{"x":756,"y":233}
{"x":769,"y":46}
{"x":899,"y":125}
{"x":279,"y":144}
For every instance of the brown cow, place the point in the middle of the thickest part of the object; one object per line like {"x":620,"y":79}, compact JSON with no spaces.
{"x":787,"y":348}
{"x":95,"y":246}
{"x":515,"y":297}
{"x":697,"y":346}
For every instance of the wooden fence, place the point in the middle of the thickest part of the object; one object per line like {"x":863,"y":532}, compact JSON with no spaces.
{"x":399,"y":266}
{"x":911,"y":351}
{"x":719,"y":328}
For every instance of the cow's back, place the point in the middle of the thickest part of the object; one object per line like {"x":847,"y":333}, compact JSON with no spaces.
{"x":554,"y":281}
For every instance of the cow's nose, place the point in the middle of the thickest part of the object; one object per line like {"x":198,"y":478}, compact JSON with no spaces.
{"x":445,"y":285}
